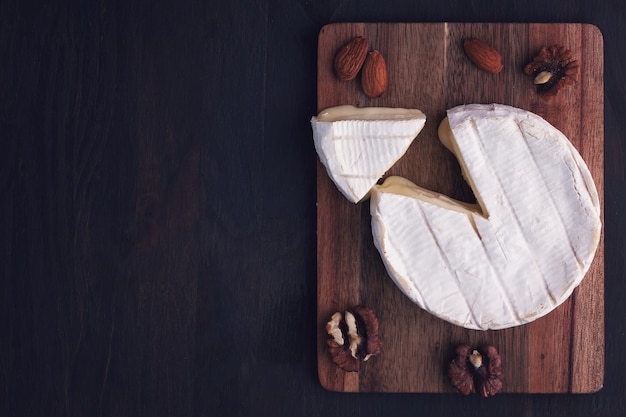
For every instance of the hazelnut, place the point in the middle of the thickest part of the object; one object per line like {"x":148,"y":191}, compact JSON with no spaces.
{"x":477,"y":370}
{"x":353,"y":337}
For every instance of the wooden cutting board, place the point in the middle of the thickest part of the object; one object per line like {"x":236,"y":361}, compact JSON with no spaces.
{"x":562,"y":352}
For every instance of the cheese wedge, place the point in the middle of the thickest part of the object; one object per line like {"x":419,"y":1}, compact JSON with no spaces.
{"x":515,"y":255}
{"x":358,"y":145}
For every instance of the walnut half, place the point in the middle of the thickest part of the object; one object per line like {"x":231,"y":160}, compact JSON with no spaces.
{"x":476,"y":369}
{"x":552,"y":69}
{"x":353,"y":337}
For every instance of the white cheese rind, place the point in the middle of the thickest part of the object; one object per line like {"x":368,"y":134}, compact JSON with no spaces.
{"x":358,"y":145}
{"x":517,"y":256}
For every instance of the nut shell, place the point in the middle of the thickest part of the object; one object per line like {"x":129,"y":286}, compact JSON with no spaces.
{"x":349,"y":59}
{"x":555,"y":68}
{"x":491,"y":382}
{"x":342,"y":357}
{"x":458,"y":370}
{"x":477,"y":370}
{"x":369,"y":322}
{"x":374,"y":75}
{"x":358,"y":340}
{"x":483,"y":55}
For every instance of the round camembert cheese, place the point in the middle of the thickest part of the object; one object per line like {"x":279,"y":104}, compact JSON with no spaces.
{"x":358,"y":145}
{"x":515,"y":255}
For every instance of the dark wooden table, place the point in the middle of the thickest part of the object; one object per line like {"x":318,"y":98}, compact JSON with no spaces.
{"x":158,"y":208}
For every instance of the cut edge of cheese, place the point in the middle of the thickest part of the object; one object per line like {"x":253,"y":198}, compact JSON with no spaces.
{"x":357,"y":146}
{"x":460,"y":114}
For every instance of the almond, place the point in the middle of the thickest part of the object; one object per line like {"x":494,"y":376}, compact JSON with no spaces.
{"x":374,"y":75}
{"x":483,"y":55}
{"x":350,"y":57}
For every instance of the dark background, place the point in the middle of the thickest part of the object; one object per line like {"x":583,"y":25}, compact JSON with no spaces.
{"x":157,"y":208}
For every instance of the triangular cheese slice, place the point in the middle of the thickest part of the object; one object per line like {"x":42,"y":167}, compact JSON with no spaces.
{"x":358,"y":145}
{"x":517,"y":254}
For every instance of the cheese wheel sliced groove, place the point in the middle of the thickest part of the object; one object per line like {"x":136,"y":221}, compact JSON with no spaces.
{"x":521,"y":250}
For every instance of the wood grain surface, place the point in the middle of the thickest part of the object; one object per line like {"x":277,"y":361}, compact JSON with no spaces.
{"x":562,"y":352}
{"x":158,"y":210}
